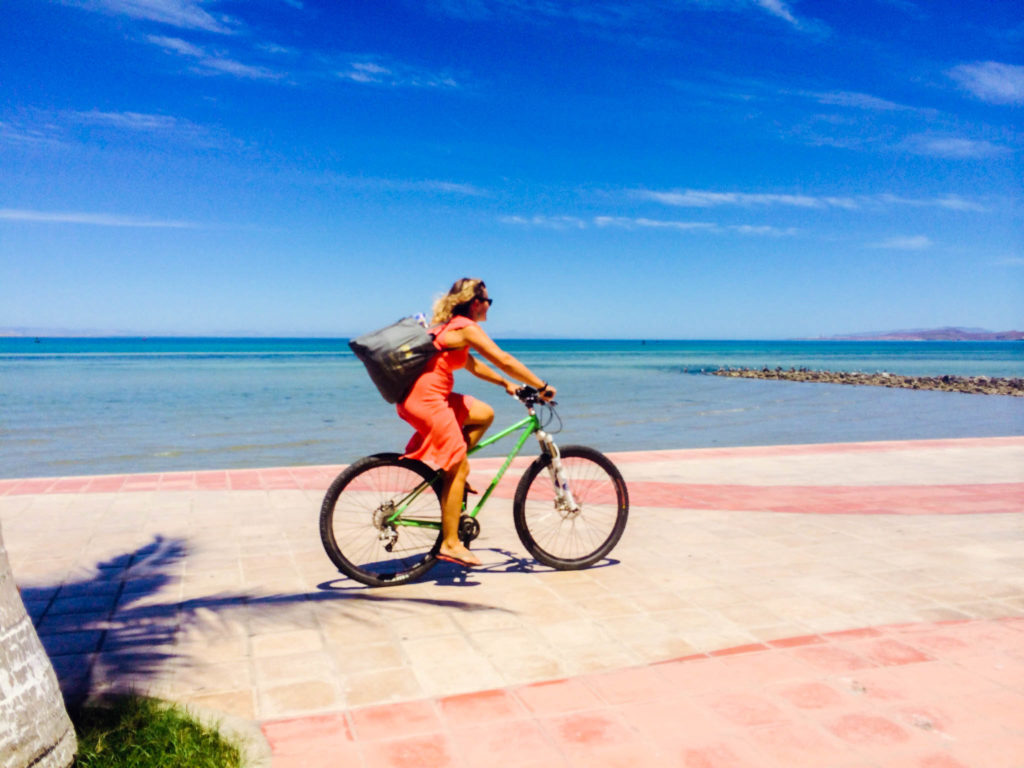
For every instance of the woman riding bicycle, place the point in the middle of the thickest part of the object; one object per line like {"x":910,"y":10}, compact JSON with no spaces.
{"x":447,"y":423}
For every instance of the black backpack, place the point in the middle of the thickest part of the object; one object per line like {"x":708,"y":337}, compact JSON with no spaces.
{"x":396,"y":355}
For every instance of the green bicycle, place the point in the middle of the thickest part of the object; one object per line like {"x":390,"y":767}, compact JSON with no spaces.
{"x":380,"y":521}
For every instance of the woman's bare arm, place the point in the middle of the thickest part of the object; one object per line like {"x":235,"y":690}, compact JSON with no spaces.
{"x":480,"y":342}
{"x":483,"y":371}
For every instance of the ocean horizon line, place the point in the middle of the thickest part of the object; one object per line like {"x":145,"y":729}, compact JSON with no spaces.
{"x":844,"y":338}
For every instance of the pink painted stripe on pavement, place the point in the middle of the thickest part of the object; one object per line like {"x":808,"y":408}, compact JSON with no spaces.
{"x":811,"y":449}
{"x":976,"y":498}
{"x":962,"y":499}
{"x":927,"y":695}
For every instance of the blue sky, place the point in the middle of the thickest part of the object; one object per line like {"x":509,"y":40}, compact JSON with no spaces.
{"x":686,"y":169}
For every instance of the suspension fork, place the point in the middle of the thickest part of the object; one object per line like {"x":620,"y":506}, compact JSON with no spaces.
{"x":563,"y":493}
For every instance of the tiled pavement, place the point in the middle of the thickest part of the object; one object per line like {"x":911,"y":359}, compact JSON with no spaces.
{"x":841,"y":605}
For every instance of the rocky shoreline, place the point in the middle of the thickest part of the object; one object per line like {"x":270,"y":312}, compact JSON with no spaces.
{"x":975,"y":385}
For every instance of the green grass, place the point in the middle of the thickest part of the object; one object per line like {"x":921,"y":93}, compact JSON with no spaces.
{"x":135,"y":732}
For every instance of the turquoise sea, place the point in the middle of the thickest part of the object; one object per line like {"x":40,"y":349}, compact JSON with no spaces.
{"x":101,"y":405}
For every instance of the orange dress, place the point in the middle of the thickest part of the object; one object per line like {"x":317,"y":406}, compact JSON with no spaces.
{"x":434,"y":410}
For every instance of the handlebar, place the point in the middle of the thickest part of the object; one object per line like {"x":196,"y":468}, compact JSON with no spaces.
{"x":530,"y":396}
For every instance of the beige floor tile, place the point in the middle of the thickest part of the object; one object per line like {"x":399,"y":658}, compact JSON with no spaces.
{"x":441,"y":649}
{"x":599,"y":658}
{"x":654,"y":649}
{"x":749,"y":614}
{"x":285,"y":643}
{"x":299,"y":698}
{"x":494,"y":618}
{"x":213,"y":650}
{"x":549,"y":611}
{"x":677,"y":621}
{"x":270,"y":614}
{"x":656,"y":600}
{"x":364,"y":658}
{"x":276,"y":670}
{"x":498,"y":645}
{"x":457,"y":675}
{"x":579,"y":591}
{"x":199,"y":679}
{"x":718,"y":638}
{"x":235,"y":703}
{"x":613,"y":605}
{"x":530,"y":668}
{"x":380,"y":686}
{"x":567,"y":636}
{"x":422,"y":625}
{"x":982,"y":609}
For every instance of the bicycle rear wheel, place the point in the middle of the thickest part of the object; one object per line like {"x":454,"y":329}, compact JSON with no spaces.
{"x":569,"y":539}
{"x":353,"y":520}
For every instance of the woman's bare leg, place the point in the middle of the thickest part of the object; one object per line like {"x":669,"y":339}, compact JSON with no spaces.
{"x":451,"y":511}
{"x":479,"y":419}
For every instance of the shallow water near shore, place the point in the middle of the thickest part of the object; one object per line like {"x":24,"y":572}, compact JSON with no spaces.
{"x":97,"y":406}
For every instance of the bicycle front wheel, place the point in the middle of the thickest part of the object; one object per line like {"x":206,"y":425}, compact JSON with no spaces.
{"x":558,"y":533}
{"x":354,"y":525}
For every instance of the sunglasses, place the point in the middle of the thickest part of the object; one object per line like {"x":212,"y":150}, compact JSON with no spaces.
{"x":488,"y":302}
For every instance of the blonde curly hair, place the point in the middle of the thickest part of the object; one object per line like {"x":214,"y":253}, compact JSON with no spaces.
{"x":458,"y":299}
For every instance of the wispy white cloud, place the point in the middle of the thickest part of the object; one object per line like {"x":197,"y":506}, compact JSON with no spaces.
{"x":615,"y":15}
{"x":424,"y":185}
{"x":183,"y":14}
{"x":861,"y":121}
{"x":863,"y":101}
{"x":905,"y":243}
{"x":67,"y":128}
{"x":452,"y":187}
{"x":953,"y":147}
{"x":177,"y":45}
{"x":546,"y":222}
{"x":949,"y":202}
{"x":991,"y":81}
{"x":161,"y":128}
{"x":692,"y":226}
{"x":441,"y":186}
{"x":368,"y":71}
{"x":131,"y":121}
{"x":698,"y":198}
{"x":641,"y":223}
{"x":29,"y":135}
{"x":96,"y":219}
{"x":747,"y":90}
{"x":762,"y":229}
{"x":644,"y":223}
{"x":779,"y":9}
{"x":213,"y":62}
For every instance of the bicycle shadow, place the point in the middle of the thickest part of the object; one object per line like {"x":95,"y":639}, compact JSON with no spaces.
{"x":446,"y":574}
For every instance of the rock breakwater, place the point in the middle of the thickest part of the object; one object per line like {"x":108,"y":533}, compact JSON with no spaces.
{"x":975,"y":385}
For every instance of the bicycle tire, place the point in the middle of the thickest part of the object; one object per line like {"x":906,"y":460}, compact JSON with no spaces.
{"x":351,"y":520}
{"x":557,"y":538}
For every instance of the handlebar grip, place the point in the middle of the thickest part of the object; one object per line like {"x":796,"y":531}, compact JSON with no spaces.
{"x":531,"y":396}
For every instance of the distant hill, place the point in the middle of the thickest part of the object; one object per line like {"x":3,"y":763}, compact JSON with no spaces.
{"x":935,"y":334}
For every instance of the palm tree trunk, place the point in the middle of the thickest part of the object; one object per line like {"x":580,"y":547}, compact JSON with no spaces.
{"x":34,"y":726}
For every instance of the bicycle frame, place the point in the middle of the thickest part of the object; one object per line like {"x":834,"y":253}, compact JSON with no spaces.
{"x":530,"y":425}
